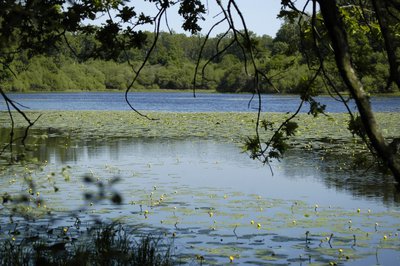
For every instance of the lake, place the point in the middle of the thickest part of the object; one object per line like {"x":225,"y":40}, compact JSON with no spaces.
{"x":206,"y":195}
{"x":182,"y":102}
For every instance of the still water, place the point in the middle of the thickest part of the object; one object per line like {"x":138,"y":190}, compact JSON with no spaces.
{"x":217,"y":202}
{"x":210,"y":196}
{"x":183,"y":102}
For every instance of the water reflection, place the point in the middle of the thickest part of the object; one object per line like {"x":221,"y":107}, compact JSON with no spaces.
{"x":361,"y":183}
{"x":301,"y":174}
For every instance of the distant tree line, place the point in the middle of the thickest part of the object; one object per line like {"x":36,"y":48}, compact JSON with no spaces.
{"x":71,"y":65}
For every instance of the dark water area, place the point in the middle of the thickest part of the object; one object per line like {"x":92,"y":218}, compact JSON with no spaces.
{"x":183,"y":102}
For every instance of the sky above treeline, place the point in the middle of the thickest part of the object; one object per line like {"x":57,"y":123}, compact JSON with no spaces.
{"x":260,"y":16}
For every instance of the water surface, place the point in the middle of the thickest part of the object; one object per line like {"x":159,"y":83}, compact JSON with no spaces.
{"x":212,"y":193}
{"x":183,"y":102}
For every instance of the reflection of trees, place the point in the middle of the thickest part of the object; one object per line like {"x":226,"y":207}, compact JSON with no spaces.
{"x":335,"y":171}
{"x":338,"y":171}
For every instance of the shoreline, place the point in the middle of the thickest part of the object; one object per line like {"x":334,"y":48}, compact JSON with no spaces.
{"x":391,"y":94}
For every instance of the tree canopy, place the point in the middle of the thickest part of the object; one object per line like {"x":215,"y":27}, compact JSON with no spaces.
{"x":343,"y":48}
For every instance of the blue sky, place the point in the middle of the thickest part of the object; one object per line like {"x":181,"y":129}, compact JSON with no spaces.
{"x":260,"y":16}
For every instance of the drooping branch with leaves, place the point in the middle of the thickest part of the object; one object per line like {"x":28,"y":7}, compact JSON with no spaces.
{"x":333,"y":19}
{"x":38,"y":27}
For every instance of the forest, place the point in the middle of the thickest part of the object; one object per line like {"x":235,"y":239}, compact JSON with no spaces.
{"x":75,"y":65}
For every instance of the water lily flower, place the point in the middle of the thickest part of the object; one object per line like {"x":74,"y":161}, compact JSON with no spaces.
{"x":385,"y":237}
{"x":231,"y":258}
{"x":258,"y":225}
{"x":358,"y":210}
{"x":251,"y":222}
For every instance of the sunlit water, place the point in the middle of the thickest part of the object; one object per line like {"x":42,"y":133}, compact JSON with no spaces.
{"x":212,"y":193}
{"x":183,"y":102}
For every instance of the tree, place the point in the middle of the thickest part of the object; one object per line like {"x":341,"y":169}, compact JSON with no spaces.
{"x":338,"y":36}
{"x":38,"y":26}
{"x":332,"y":18}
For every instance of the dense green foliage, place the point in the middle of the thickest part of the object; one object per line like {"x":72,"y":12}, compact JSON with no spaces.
{"x":172,"y":64}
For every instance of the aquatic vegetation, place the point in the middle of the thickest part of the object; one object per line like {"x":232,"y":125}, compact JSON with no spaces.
{"x":99,"y":244}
